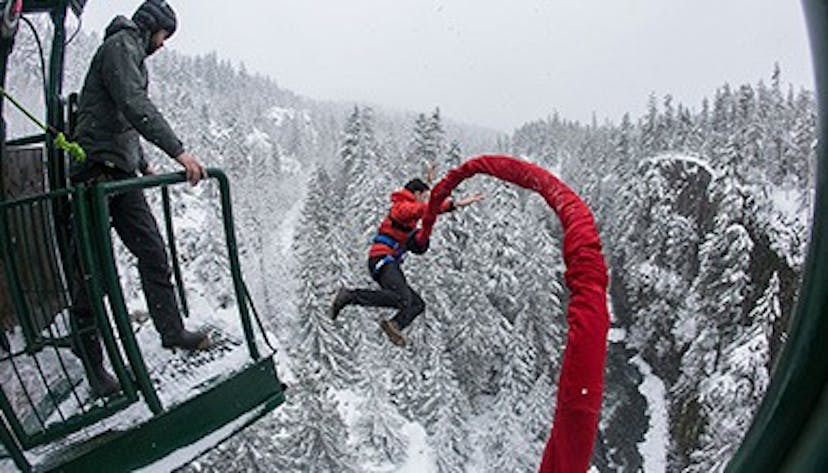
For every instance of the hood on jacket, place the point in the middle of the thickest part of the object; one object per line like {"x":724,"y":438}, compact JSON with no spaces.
{"x":120,"y":23}
{"x":403,"y":195}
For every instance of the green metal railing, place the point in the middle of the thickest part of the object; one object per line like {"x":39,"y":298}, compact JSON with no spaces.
{"x":168,"y":222}
{"x":40,"y":291}
{"x":35,"y":274}
{"x":28,"y":140}
{"x":41,"y":250}
{"x":103,"y":190}
{"x":19,"y":232}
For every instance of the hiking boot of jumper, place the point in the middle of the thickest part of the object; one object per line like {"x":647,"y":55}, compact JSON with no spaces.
{"x":341,"y":299}
{"x":187,"y":340}
{"x":393,"y":331}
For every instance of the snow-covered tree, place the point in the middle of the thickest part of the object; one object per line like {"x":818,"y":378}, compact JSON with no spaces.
{"x":378,"y":427}
{"x":319,"y":339}
{"x":731,"y":396}
{"x":315,"y":436}
{"x":445,"y":411}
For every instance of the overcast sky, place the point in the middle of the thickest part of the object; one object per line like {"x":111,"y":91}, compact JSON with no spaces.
{"x":498,"y":63}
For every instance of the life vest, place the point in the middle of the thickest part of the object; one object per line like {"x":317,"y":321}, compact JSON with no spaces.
{"x":402,"y":219}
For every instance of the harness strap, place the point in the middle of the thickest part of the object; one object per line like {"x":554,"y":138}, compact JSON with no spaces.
{"x":397,"y":256}
{"x":387,"y":259}
{"x":387,"y":240}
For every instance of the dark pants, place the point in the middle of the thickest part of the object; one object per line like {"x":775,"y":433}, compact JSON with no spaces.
{"x":136,"y":226}
{"x":395,"y":293}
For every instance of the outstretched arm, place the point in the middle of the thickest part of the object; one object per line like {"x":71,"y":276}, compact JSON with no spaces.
{"x":468,"y":200}
{"x":431,"y":172}
{"x":406,"y":211}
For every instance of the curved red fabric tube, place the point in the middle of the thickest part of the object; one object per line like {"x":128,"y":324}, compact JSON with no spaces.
{"x":581,"y":382}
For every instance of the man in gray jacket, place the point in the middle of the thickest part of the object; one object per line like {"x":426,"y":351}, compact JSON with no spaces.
{"x":114,"y":110}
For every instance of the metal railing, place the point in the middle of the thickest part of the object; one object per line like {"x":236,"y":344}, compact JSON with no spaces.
{"x":41,"y":399}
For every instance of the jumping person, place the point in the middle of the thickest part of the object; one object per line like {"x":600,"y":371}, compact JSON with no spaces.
{"x":385,"y":259}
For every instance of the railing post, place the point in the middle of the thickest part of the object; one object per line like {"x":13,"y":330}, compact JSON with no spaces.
{"x":12,"y":447}
{"x":13,"y":280}
{"x":8,"y":416}
{"x":116,"y":300}
{"x":233,"y":255}
{"x":179,"y":282}
{"x":86,"y":258}
{"x":54,"y":109}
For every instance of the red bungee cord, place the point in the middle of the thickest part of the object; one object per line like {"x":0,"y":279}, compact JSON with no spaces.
{"x":581,"y":381}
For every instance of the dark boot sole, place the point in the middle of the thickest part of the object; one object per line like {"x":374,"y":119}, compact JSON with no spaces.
{"x":204,"y":344}
{"x":102,"y":384}
{"x":104,"y":392}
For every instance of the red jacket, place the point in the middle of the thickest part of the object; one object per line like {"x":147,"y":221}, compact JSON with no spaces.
{"x":402,"y":219}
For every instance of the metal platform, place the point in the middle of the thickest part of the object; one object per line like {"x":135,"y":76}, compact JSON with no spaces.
{"x":201,"y":392}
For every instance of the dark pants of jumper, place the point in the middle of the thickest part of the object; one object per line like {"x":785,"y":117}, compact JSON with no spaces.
{"x":395,"y":293}
{"x":136,"y":226}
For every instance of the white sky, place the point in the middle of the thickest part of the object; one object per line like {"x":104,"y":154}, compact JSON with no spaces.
{"x":498,"y":63}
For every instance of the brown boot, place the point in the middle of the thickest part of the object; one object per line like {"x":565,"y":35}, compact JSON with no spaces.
{"x":393,"y":331}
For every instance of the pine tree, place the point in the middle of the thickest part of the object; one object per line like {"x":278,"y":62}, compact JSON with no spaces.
{"x":435,"y":138}
{"x":503,"y":253}
{"x":717,"y":297}
{"x":406,"y":378}
{"x":315,"y":437}
{"x":319,"y":339}
{"x":350,"y":139}
{"x":667,"y":124}
{"x":543,"y":313}
{"x":454,"y":156}
{"x":771,"y":107}
{"x":650,"y":139}
{"x":801,"y":161}
{"x":721,"y":123}
{"x":623,"y":144}
{"x":427,"y":143}
{"x":732,"y":395}
{"x":450,"y":440}
{"x":378,"y":427}
{"x":538,"y":412}
{"x":362,"y":197}
{"x":687,"y":137}
{"x":751,"y":135}
{"x":507,"y":448}
{"x":444,"y":411}
{"x":420,"y":145}
{"x":359,"y":209}
{"x":477,"y":338}
{"x":476,"y":341}
{"x":723,"y":280}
